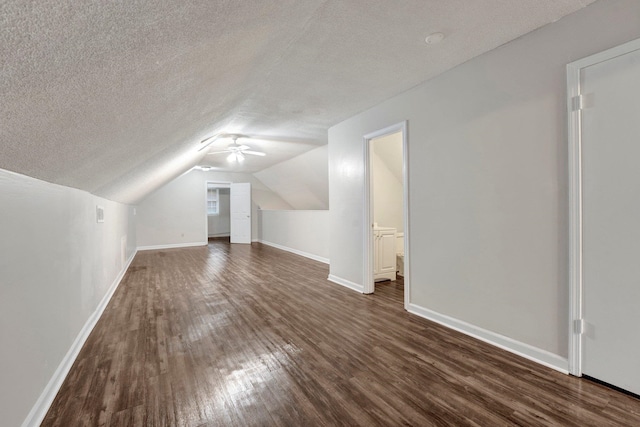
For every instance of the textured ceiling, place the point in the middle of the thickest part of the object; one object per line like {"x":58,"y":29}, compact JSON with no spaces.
{"x":113,"y":97}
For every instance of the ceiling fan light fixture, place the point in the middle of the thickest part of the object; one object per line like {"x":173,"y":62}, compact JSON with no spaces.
{"x":236,"y":156}
{"x":236,"y":151}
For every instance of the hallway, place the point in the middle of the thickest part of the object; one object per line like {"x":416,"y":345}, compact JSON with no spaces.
{"x":248,"y":335}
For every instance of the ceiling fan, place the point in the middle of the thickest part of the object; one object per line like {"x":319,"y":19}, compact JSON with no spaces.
{"x":236,"y":151}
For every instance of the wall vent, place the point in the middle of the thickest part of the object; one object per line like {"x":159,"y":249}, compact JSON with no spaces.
{"x":99,"y":213}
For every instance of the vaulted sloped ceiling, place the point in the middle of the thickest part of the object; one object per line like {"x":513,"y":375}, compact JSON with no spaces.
{"x":113,"y":97}
{"x":303,"y":182}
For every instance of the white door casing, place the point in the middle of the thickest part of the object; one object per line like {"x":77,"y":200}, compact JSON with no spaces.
{"x":604,"y":136}
{"x":369,"y":285}
{"x":240,"y":207}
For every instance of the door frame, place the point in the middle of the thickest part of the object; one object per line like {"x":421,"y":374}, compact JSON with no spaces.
{"x":574,"y":105}
{"x":369,"y":285}
{"x":218,"y":185}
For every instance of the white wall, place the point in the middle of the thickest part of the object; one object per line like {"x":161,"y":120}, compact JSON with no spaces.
{"x":175,"y":215}
{"x":220,"y":224}
{"x":262,"y":196}
{"x":488,"y":181}
{"x":300,"y":231}
{"x":386,"y":162}
{"x":57,"y":265}
{"x":303,"y":181}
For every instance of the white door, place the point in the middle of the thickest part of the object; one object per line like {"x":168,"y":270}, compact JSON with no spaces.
{"x":611,"y":220}
{"x":240,"y":209}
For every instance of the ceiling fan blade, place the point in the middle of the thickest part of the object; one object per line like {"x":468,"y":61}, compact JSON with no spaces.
{"x":208,"y":141}
{"x":255,"y":153}
{"x":259,"y":138}
{"x":219,"y":152}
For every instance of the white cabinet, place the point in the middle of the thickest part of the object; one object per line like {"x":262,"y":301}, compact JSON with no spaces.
{"x":384,"y":253}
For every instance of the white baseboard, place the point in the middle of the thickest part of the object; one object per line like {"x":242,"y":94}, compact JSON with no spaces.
{"x":172,"y":246}
{"x":296,"y":251}
{"x":346,"y":283}
{"x":219,"y":235}
{"x":39,"y":410}
{"x":543,"y":357}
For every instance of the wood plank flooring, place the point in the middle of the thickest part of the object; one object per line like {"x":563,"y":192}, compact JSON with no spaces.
{"x":247,"y":335}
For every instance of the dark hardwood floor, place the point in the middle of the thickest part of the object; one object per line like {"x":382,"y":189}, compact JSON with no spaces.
{"x":239,"y":335}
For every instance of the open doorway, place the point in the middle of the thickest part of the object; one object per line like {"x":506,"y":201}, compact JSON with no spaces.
{"x":218,"y":211}
{"x":386,"y":206}
{"x":229,"y":211}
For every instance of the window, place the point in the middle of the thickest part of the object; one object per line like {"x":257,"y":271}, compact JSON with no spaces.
{"x":212,"y":200}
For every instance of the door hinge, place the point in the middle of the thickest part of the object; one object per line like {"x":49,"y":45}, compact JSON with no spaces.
{"x":579,"y":326}
{"x":577,"y":103}
{"x":582,"y":101}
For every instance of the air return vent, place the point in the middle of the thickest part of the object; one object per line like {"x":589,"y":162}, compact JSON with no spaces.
{"x":99,"y":213}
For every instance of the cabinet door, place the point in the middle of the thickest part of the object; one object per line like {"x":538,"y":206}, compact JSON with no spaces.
{"x":387,"y":252}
